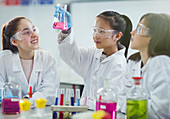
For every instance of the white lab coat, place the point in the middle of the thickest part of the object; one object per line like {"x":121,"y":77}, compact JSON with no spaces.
{"x":86,"y":62}
{"x":44,"y":78}
{"x":156,"y":82}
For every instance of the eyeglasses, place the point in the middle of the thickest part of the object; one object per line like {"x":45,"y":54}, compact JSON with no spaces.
{"x":143,"y":30}
{"x":102,"y":33}
{"x":25,"y":33}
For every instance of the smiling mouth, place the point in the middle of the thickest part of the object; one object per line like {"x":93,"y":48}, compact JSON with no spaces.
{"x":34,"y":41}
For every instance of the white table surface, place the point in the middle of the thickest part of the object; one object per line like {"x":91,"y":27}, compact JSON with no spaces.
{"x":47,"y":114}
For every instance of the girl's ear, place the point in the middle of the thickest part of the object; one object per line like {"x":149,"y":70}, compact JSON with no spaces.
{"x":118,"y":36}
{"x":14,"y":42}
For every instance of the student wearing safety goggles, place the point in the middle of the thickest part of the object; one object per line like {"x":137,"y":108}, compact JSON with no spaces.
{"x":152,"y":62}
{"x":22,"y":59}
{"x":111,"y":35}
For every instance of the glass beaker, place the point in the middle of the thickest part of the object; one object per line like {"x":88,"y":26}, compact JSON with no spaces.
{"x":60,"y":20}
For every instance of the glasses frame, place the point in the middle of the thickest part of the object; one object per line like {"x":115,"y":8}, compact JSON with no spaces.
{"x":147,"y":31}
{"x":111,"y":32}
{"x":17,"y":37}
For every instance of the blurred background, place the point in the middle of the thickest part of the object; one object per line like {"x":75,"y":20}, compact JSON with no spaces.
{"x":40,"y":12}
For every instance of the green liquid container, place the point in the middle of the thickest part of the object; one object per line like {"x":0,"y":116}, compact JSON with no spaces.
{"x":137,"y":109}
{"x":137,"y":104}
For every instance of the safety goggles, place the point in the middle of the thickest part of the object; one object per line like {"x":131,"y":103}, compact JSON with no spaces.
{"x":25,"y":33}
{"x":143,"y":30}
{"x":102,"y":33}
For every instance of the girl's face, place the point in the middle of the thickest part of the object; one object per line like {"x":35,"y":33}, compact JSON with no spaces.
{"x":102,"y":37}
{"x":139,"y":42}
{"x":29,"y":36}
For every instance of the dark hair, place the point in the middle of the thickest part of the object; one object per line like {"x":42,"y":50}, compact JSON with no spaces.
{"x":120,"y":23}
{"x":8,"y":30}
{"x":160,"y":38}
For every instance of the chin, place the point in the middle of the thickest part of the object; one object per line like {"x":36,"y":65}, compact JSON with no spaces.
{"x":134,"y":48}
{"x":98,"y":47}
{"x":35,"y":48}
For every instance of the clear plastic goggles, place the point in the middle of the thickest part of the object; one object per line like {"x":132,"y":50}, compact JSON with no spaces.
{"x":143,"y":30}
{"x":102,"y":33}
{"x":25,"y":33}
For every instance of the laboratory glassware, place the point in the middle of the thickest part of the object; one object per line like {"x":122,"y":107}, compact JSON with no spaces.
{"x":11,"y":96}
{"x":60,"y":20}
{"x":107,"y":99}
{"x":137,"y":101}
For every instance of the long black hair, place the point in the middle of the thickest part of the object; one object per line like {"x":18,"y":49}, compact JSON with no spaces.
{"x":120,"y":23}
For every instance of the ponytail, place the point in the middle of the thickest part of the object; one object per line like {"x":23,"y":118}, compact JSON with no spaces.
{"x":120,"y":23}
{"x":125,"y":40}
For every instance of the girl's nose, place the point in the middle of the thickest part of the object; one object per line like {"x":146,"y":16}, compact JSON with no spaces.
{"x":96,"y":36}
{"x":33,"y":34}
{"x":133,"y":32}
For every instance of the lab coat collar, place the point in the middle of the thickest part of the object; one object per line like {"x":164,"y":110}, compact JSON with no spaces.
{"x":98,"y":54}
{"x":115,"y":55}
{"x":17,"y":63}
{"x":137,"y":67}
{"x":146,"y":65}
{"x":38,"y":61}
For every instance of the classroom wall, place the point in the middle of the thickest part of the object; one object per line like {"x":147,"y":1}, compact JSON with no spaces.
{"x":83,"y":16}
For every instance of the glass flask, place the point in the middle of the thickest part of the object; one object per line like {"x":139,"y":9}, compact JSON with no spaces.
{"x":60,"y":21}
{"x":107,"y":99}
{"x":11,"y":95}
{"x":137,"y":101}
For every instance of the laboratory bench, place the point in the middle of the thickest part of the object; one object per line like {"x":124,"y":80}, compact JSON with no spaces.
{"x":45,"y":114}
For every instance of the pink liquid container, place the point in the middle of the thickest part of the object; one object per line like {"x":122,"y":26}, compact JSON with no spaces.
{"x":109,"y":107}
{"x":10,"y":106}
{"x":60,"y":20}
{"x":106,"y":99}
{"x":11,"y":95}
{"x":60,"y":26}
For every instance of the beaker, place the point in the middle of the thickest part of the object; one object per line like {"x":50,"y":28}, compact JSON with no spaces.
{"x":60,"y":20}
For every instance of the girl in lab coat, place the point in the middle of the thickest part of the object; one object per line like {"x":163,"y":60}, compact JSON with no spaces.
{"x":152,"y":62}
{"x":111,"y":35}
{"x":22,"y":59}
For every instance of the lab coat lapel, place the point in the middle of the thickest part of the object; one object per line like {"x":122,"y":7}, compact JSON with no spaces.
{"x":37,"y":68}
{"x":136,"y":69}
{"x":18,"y":71}
{"x":116,"y":55}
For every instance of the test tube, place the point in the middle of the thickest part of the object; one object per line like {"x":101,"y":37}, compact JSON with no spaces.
{"x":72,"y":98}
{"x":61,"y":102}
{"x":78,"y":97}
{"x":67,"y":97}
{"x":56,"y":103}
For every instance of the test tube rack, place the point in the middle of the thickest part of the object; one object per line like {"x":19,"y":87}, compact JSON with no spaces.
{"x":58,"y":108}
